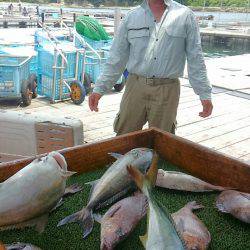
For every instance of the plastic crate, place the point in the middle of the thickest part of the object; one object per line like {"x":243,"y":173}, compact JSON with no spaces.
{"x":41,"y":38}
{"x":94,"y":67}
{"x":12,"y":74}
{"x":21,"y":50}
{"x":46,"y":63}
{"x":44,"y":88}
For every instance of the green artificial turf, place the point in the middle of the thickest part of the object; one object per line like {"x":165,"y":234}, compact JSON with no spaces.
{"x":226,"y":231}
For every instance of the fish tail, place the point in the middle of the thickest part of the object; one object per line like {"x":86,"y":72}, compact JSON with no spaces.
{"x":83,"y":217}
{"x":193,"y":205}
{"x":149,"y":178}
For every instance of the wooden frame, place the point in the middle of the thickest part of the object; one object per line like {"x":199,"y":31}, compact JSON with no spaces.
{"x":198,"y":160}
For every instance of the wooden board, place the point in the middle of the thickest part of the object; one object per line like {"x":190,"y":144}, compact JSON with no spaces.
{"x":198,"y":160}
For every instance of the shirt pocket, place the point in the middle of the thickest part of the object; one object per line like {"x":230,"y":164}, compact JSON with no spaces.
{"x":175,"y":37}
{"x":138,"y":39}
{"x":175,"y":32}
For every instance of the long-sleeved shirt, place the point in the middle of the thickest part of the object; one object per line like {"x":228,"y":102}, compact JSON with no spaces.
{"x":160,"y":51}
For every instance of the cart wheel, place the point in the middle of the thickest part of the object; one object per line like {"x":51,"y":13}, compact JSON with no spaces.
{"x":77,"y":93}
{"x":26,"y":91}
{"x":87,"y":83}
{"x":119,"y":86}
{"x":33,"y":83}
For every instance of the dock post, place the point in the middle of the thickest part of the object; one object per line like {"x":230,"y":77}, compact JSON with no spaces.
{"x":5,"y":24}
{"x":117,"y":19}
{"x":43,"y":17}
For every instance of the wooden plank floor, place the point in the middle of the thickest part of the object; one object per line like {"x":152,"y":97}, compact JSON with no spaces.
{"x":227,"y":130}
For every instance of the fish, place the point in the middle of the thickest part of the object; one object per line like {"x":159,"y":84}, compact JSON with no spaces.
{"x":184,"y":182}
{"x":28,"y":196}
{"x":162,"y":233}
{"x":121,"y":219}
{"x":236,"y":203}
{"x":192,"y":229}
{"x":115,"y":183}
{"x":21,"y":246}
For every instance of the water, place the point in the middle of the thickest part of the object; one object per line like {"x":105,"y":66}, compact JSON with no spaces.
{"x":220,"y":50}
{"x":218,"y":16}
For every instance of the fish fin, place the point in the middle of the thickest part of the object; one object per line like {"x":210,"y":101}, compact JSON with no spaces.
{"x":148,"y":179}
{"x":39,"y":222}
{"x":144,"y":239}
{"x":75,"y":188}
{"x":59,"y":203}
{"x":193,"y":205}
{"x":116,"y":155}
{"x":97,"y":217}
{"x":92,"y":183}
{"x":67,"y":174}
{"x":110,"y":213}
{"x":153,"y":170}
{"x":112,"y":199}
{"x":136,"y":175}
{"x":83,"y":217}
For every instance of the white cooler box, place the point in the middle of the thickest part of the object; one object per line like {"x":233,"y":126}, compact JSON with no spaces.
{"x":25,"y":134}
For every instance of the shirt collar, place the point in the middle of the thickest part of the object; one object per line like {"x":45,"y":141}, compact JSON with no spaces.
{"x":145,"y":3}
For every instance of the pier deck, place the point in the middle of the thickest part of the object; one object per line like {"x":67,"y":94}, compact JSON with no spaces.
{"x":226,"y":131}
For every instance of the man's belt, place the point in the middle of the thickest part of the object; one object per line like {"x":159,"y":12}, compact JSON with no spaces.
{"x":154,"y":81}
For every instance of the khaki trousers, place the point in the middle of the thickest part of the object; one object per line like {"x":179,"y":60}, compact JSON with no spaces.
{"x":151,"y":100}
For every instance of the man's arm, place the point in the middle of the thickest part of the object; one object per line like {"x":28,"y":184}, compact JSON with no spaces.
{"x":196,"y":66}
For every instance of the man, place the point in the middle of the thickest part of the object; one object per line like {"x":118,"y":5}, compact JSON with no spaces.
{"x":153,"y":42}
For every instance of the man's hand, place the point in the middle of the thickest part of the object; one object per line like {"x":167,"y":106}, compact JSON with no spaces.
{"x":207,"y":108}
{"x":93,"y":101}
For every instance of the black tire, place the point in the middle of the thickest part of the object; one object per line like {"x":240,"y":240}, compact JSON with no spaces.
{"x":77,"y":93}
{"x":87,"y":83}
{"x":119,"y":86}
{"x":33,"y":83}
{"x":26,"y":92}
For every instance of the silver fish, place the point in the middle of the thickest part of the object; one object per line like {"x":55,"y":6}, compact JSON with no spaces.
{"x":192,"y":229}
{"x":21,"y":246}
{"x":162,"y":233}
{"x":113,"y":184}
{"x":236,"y":203}
{"x":181,"y":181}
{"x":121,"y":219}
{"x":27,"y":197}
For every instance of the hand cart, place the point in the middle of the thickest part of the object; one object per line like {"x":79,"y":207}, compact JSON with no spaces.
{"x":16,"y":80}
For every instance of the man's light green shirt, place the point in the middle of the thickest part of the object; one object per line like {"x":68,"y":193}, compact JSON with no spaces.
{"x":161,"y":52}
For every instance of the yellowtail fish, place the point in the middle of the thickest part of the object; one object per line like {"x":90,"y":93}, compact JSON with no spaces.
{"x":28,"y":196}
{"x":115,"y":183}
{"x":162,"y":233}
